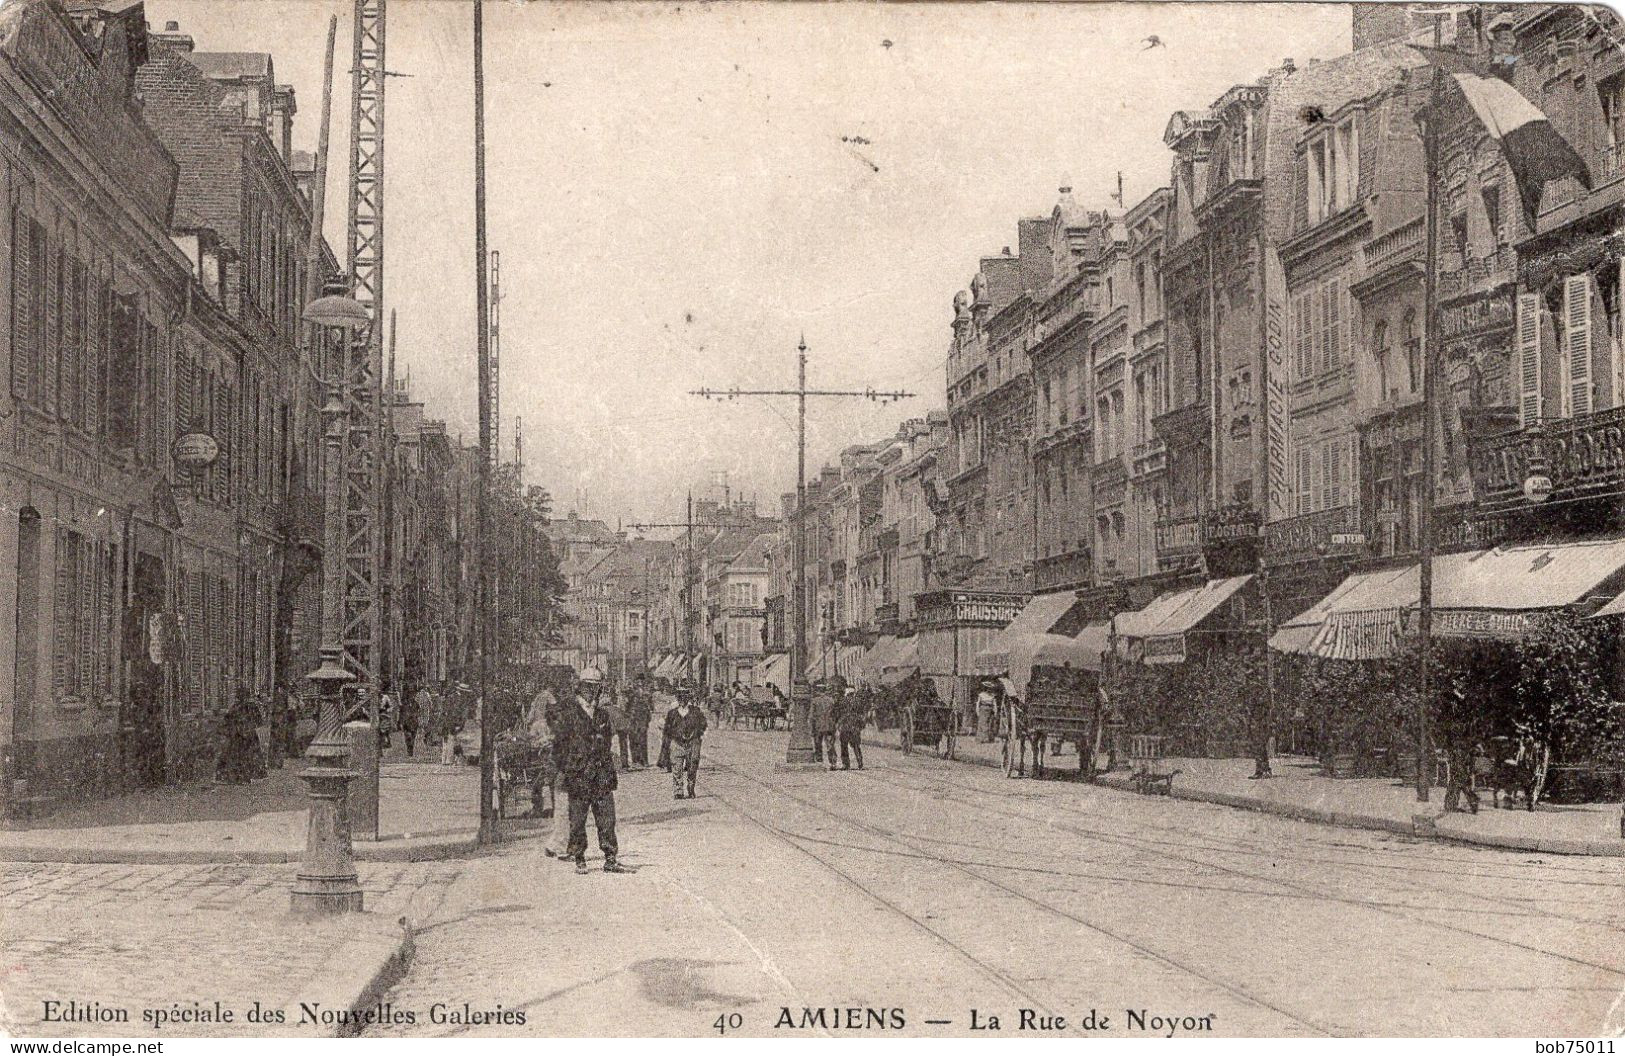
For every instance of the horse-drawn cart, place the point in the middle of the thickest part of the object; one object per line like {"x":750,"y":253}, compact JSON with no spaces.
{"x":1062,"y":706}
{"x":760,"y":710}
{"x":520,"y":763}
{"x":926,"y":720}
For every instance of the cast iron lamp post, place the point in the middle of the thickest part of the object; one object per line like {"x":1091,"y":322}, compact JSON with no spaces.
{"x":327,"y":881}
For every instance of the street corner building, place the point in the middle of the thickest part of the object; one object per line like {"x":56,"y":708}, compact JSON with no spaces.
{"x":161,"y":507}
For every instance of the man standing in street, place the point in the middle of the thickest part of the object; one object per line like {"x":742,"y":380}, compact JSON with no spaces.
{"x":685,"y":725}
{"x":589,"y":773}
{"x":639,"y":711}
{"x":854,"y":714}
{"x":615,"y":708}
{"x":823,"y":725}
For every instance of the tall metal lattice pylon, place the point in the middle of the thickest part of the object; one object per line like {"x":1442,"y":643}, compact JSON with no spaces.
{"x":364,"y":451}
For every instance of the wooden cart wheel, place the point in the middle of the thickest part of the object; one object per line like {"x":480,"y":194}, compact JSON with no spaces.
{"x":906,"y":732}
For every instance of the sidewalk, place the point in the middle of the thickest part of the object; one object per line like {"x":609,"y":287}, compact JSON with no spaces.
{"x":1299,"y":791}
{"x":425,"y":811}
{"x":120,"y":940}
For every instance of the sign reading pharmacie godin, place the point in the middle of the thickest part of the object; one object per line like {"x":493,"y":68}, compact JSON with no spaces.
{"x":195,"y":449}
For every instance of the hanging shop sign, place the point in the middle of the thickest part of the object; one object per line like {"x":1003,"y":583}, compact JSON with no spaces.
{"x":195,"y":449}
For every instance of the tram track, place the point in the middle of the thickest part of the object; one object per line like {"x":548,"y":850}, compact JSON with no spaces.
{"x":1168,"y":960}
{"x":1163,"y":850}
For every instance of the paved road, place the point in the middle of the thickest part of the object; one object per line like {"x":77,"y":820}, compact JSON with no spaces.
{"x":933,"y":889}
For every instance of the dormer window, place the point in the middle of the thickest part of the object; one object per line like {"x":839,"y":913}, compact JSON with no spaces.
{"x":1332,"y":158}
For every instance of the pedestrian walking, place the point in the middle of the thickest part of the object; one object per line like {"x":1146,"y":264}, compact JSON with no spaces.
{"x":540,"y":740}
{"x":664,"y":762}
{"x":589,"y":773}
{"x":854,"y":716}
{"x":615,"y":706}
{"x":685,"y":725}
{"x":986,"y":704}
{"x":411,"y":716}
{"x":823,"y":724}
{"x":639,"y":713}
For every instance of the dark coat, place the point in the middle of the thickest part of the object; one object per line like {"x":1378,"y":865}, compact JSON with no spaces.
{"x":584,"y":752}
{"x":823,"y":713}
{"x":853,"y":716}
{"x":685,"y":729}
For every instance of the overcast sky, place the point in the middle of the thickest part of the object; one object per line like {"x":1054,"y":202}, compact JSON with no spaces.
{"x":675,"y":205}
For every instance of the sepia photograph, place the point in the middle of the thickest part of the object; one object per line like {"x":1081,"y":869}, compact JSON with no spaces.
{"x":853,"y":519}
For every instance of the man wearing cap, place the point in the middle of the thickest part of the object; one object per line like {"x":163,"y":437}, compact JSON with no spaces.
{"x":685,"y":725}
{"x":588,"y":762}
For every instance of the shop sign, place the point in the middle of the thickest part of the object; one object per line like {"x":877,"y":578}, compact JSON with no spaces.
{"x":1238,"y":521}
{"x":1479,"y":623}
{"x":1476,"y":314}
{"x":1278,"y":493}
{"x":1167,"y":649}
{"x":996,"y":608}
{"x":1578,"y":458}
{"x":1313,"y":533}
{"x":195,"y":449}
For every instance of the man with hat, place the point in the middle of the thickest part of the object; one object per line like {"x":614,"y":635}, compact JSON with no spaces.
{"x":588,"y":763}
{"x":685,"y":725}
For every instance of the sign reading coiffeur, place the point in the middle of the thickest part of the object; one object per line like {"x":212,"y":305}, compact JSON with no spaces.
{"x":195,"y":449}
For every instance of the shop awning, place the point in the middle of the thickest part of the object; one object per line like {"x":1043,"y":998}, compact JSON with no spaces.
{"x":1297,"y":634}
{"x":663,"y":668}
{"x":1500,"y":593}
{"x":1165,"y":642}
{"x":774,"y":671}
{"x":874,"y":657}
{"x":1014,"y":645}
{"x":1086,"y":651}
{"x":903,"y":661}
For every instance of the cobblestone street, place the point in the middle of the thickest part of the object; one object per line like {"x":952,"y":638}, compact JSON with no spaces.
{"x":163,"y":937}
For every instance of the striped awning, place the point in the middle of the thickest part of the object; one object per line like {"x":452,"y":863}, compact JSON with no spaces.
{"x":1014,"y":645}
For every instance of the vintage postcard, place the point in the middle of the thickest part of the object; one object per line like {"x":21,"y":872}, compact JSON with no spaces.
{"x":781,"y":520}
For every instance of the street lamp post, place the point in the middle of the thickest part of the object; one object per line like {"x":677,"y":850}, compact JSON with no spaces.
{"x":326,"y":882}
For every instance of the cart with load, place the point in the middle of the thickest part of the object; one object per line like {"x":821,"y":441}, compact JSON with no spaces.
{"x":758,"y":710}
{"x":1063,"y":706}
{"x":521,"y":763}
{"x":924,"y":719}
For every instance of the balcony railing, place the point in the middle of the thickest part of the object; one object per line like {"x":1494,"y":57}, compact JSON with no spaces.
{"x":1403,"y":241}
{"x":1582,"y":457}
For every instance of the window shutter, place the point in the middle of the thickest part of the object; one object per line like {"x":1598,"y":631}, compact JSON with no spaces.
{"x":101,"y":306}
{"x":1328,"y":328}
{"x":84,"y":349}
{"x":51,"y":362}
{"x":1577,"y":342}
{"x":1323,"y":476}
{"x":62,"y":638}
{"x":1345,"y":349}
{"x":1305,"y":479}
{"x":22,"y":304}
{"x":1528,"y":341}
{"x":90,"y":642}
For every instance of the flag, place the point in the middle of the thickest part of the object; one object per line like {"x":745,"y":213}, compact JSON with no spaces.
{"x":1535,"y":151}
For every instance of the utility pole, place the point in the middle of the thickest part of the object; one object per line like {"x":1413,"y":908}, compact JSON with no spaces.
{"x":1430,"y":334}
{"x":364,"y":448}
{"x":801,"y":749}
{"x":688,"y":525}
{"x":488,"y":830}
{"x":496,"y":355}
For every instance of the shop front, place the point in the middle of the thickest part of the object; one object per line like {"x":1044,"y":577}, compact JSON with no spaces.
{"x":953,"y":627}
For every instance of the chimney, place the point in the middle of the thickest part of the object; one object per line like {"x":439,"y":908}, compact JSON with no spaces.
{"x":172,"y":40}
{"x":283,"y":107}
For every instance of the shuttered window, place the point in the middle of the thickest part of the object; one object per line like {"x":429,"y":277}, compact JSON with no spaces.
{"x":83,"y":622}
{"x":1528,"y":359}
{"x":1577,"y":340}
{"x":27,"y":303}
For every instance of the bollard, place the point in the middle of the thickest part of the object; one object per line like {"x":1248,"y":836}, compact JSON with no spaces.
{"x":363,"y":741}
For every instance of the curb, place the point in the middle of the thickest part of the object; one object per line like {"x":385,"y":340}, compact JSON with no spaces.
{"x":427,"y":849}
{"x":1421,"y":826}
{"x":375,"y":962}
